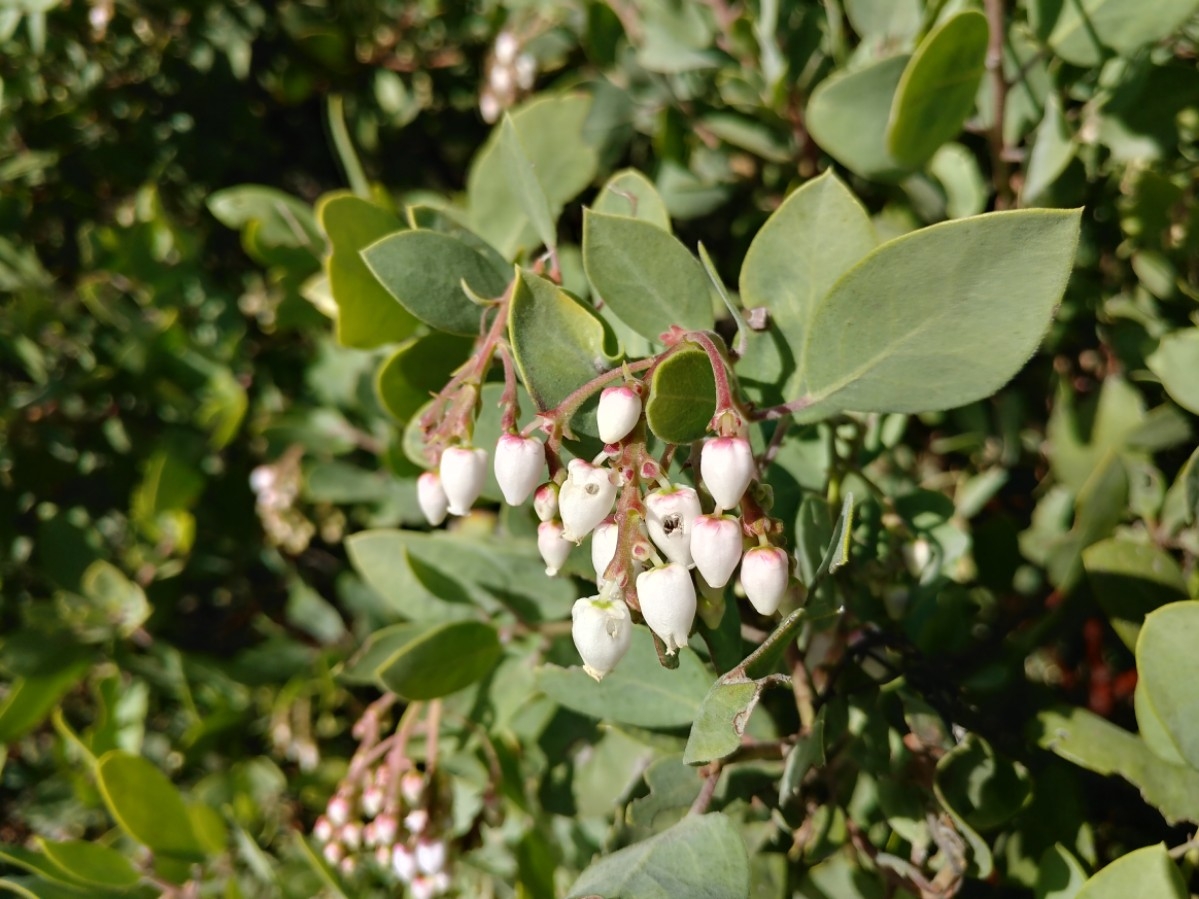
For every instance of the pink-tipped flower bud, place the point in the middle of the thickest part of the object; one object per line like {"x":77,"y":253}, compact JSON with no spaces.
{"x":726,"y":465}
{"x":403,"y":863}
{"x":463,"y":474}
{"x":670,"y":515}
{"x":382,"y":856}
{"x":322,"y":829}
{"x":370,"y":836}
{"x":667,"y":598}
{"x":338,"y":810}
{"x":545,"y":501}
{"x":351,"y":835}
{"x":386,"y":828}
{"x":431,"y":498}
{"x":519,"y":462}
{"x":416,"y":820}
{"x":348,"y":865}
{"x":412,"y":785}
{"x":585,"y":499}
{"x":554,"y":548}
{"x":333,"y":853}
{"x":617,"y":414}
{"x":430,"y":856}
{"x":372,"y":801}
{"x":716,"y":547}
{"x":603,"y":548}
{"x":422,"y":888}
{"x":602,"y":631}
{"x":765,"y":572}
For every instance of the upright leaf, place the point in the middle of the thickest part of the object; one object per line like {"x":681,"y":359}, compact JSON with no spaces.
{"x":522,"y":180}
{"x":630,"y":193}
{"x":146,"y":804}
{"x":1168,"y":667}
{"x":1142,"y":872}
{"x":847,"y":116}
{"x":682,"y":397}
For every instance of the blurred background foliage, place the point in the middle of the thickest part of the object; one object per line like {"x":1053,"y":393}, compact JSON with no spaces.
{"x":186,"y":446}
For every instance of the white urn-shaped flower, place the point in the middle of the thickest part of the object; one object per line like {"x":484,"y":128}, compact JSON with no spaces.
{"x":463,"y":474}
{"x":667,"y":598}
{"x":519,"y":463}
{"x":726,"y":465}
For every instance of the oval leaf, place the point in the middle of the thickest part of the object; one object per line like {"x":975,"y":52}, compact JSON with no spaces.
{"x":91,"y":863}
{"x":1130,"y":580}
{"x":1143,"y":872}
{"x":934,"y":319}
{"x":417,"y":369}
{"x":937,"y":90}
{"x":442,"y":660}
{"x":1169,"y":668}
{"x":424,"y":270}
{"x":631,"y":194}
{"x":682,"y":397}
{"x":522,"y":181}
{"x":146,"y":804}
{"x":847,"y":116}
{"x":646,"y":277}
{"x":1176,"y":362}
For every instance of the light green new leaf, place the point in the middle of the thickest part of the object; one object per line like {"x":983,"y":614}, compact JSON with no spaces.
{"x":1088,"y":30}
{"x":682,"y":397}
{"x":367,"y":314}
{"x":1176,"y":362}
{"x":424,"y":270}
{"x":1052,"y":149}
{"x":30,"y":699}
{"x":1146,"y":872}
{"x":146,"y":805}
{"x":522,"y":181}
{"x":283,"y":220}
{"x":91,"y":863}
{"x":564,"y":160}
{"x":1130,"y":580}
{"x":937,"y":90}
{"x":939,"y":317}
{"x":848,"y":114}
{"x":645,"y":275}
{"x":631,"y":194}
{"x":442,"y":660}
{"x":558,"y":343}
{"x":1169,"y":668}
{"x":701,"y":857}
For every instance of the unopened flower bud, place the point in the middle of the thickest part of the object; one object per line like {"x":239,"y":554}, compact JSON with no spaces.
{"x":372,"y":801}
{"x":463,"y":473}
{"x":716,"y":547}
{"x":338,"y":810}
{"x":348,"y":865}
{"x":765,"y":572}
{"x":602,"y":631}
{"x":351,"y":835}
{"x":501,"y":79}
{"x":545,"y":501}
{"x":416,"y":820}
{"x":383,"y":856}
{"x":667,"y":598}
{"x":726,"y":465}
{"x":617,"y":414}
{"x":422,"y":888}
{"x":603,"y":548}
{"x":519,"y":462}
{"x":333,"y":853}
{"x":322,"y":829}
{"x":669,"y":516}
{"x":489,"y":106}
{"x":441,"y":882}
{"x":585,"y":499}
{"x":526,"y":71}
{"x":506,"y":47}
{"x":370,"y":836}
{"x":412,"y":785}
{"x":386,"y":828}
{"x":403,"y":862}
{"x":430,"y":856}
{"x":553,"y":547}
{"x":431,"y":498}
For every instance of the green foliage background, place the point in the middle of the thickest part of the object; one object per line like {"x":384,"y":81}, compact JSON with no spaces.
{"x":178,"y":655}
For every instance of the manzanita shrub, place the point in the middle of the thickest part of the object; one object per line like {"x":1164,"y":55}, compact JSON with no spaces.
{"x":653,"y":505}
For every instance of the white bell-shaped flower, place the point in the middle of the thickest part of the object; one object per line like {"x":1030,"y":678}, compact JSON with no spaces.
{"x":403,"y":862}
{"x":667,"y":598}
{"x":430,"y":855}
{"x":603,"y":548}
{"x":553,"y":548}
{"x":716,"y":547}
{"x":726,"y":465}
{"x":519,"y":463}
{"x":545,"y":501}
{"x":463,"y":474}
{"x":669,"y":516}
{"x":585,"y":498}
{"x":602,"y":630}
{"x":765,"y":573}
{"x":617,"y":414}
{"x":431,"y":497}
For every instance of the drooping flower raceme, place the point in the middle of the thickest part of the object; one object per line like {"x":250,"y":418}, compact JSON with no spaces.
{"x":667,"y":598}
{"x":669,"y":517}
{"x":585,"y":499}
{"x":463,"y":473}
{"x":716,"y":547}
{"x":617,"y":414}
{"x":726,"y":465}
{"x":519,"y":463}
{"x":765,"y":573}
{"x":602,"y":631}
{"x":431,"y":497}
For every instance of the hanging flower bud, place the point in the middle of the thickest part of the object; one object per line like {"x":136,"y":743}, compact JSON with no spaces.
{"x":669,"y":516}
{"x":603,"y":548}
{"x":431,"y":498}
{"x":617,"y":414}
{"x":716,"y":547}
{"x":585,"y":499}
{"x":403,"y":862}
{"x":351,"y":835}
{"x":416,"y":820}
{"x":519,"y":462}
{"x":430,"y":856}
{"x":545,"y":501}
{"x":322,"y":829}
{"x":386,"y":828}
{"x":422,"y":888}
{"x":668,"y":603}
{"x":372,"y":801}
{"x":348,"y":865}
{"x":765,"y":572}
{"x":338,"y":810}
{"x":726,"y":465}
{"x":602,"y":631}
{"x":412,"y":785}
{"x":552,"y":547}
{"x":463,"y":473}
{"x":333,"y":852}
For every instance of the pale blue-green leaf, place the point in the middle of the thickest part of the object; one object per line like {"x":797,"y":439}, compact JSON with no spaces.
{"x":441,"y":660}
{"x":847,"y":117}
{"x":956,"y":168}
{"x":1176,"y":362}
{"x":682,"y":397}
{"x":630,"y":193}
{"x":1151,"y":728}
{"x":522,"y":181}
{"x":720,"y":724}
{"x":1147,"y":873}
{"x":1088,"y":30}
{"x":1169,"y":667}
{"x":1052,"y":149}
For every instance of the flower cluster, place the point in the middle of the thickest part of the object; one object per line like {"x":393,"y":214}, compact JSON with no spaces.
{"x":510,"y":74}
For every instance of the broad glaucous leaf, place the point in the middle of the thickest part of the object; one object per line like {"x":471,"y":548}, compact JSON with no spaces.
{"x":933,"y":320}
{"x":1086,"y":31}
{"x":1130,"y":580}
{"x":367,"y":314}
{"x":701,"y":857}
{"x":91,"y":864}
{"x":1151,"y":728}
{"x":720,"y":724}
{"x":416,"y":369}
{"x":425,"y":271}
{"x":1052,"y":149}
{"x":1176,"y":362}
{"x":146,"y":805}
{"x":631,"y":194}
{"x":645,"y":275}
{"x":563,"y":156}
{"x":885,"y":20}
{"x":522,"y":181}
{"x":682,"y":397}
{"x":937,"y":90}
{"x":441,"y":660}
{"x":282,"y":219}
{"x":847,"y":116}
{"x":1169,"y":668}
{"x":1142,"y":872}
